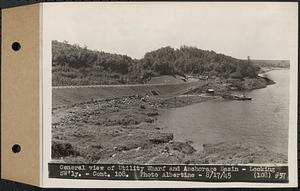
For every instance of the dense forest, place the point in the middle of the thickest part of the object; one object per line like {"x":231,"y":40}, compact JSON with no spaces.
{"x":75,"y":65}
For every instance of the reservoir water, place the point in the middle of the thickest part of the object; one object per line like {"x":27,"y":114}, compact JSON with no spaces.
{"x":263,"y":120}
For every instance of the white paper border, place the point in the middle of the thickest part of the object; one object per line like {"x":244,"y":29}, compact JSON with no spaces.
{"x":68,"y":183}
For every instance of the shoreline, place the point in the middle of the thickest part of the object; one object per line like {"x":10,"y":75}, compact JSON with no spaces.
{"x":264,"y":70}
{"x":128,"y":132}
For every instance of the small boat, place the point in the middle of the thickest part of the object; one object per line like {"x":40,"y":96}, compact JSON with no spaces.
{"x":241,"y":97}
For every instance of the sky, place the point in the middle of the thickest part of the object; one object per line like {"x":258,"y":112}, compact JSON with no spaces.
{"x":259,"y":30}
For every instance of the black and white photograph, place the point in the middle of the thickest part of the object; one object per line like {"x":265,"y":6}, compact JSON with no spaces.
{"x":172,"y":83}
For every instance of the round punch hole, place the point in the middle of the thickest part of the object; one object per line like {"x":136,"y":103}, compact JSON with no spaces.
{"x":16,"y":148}
{"x":16,"y":46}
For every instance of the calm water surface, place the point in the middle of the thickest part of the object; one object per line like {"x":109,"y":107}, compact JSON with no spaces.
{"x":264,"y":120}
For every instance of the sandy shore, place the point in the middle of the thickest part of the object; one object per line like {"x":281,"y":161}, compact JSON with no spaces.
{"x":126,"y":130}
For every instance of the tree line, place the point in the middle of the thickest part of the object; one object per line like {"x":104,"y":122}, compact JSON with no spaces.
{"x":76,"y":65}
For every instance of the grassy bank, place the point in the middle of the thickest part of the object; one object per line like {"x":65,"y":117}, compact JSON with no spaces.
{"x":69,"y":96}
